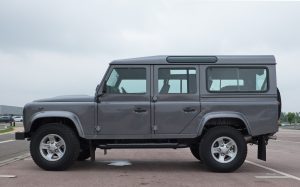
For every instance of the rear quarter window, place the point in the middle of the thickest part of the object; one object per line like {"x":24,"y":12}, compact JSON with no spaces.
{"x":219,"y":79}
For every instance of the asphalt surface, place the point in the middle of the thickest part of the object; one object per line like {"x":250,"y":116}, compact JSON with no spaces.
{"x":10,"y":148}
{"x":165,"y":167}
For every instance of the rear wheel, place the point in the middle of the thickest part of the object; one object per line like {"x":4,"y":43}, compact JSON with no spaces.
{"x":54,"y":147}
{"x":279,"y":103}
{"x":223,"y":149}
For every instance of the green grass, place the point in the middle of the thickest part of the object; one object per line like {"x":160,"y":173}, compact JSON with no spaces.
{"x":6,"y":130}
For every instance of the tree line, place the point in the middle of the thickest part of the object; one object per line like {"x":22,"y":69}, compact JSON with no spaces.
{"x":290,"y":117}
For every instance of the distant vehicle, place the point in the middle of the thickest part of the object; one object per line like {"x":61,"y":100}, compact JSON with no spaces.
{"x":213,"y":105}
{"x":18,"y":118}
{"x":6,"y":119}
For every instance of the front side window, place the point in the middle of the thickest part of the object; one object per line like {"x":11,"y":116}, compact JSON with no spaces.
{"x":127,"y":81}
{"x":237,"y":79}
{"x":177,"y":81}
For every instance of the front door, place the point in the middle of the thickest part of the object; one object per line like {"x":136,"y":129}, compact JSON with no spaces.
{"x":176,"y":98}
{"x":124,"y":110}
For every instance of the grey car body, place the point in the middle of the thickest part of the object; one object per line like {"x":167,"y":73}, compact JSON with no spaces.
{"x":155,"y":119}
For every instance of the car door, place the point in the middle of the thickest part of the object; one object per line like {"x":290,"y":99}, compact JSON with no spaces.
{"x":175,"y":97}
{"x":124,"y":108}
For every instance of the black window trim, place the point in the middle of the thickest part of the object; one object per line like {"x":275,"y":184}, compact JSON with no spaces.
{"x":238,"y":67}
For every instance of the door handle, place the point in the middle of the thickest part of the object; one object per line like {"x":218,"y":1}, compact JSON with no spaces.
{"x":189,"y":109}
{"x":140,"y":110}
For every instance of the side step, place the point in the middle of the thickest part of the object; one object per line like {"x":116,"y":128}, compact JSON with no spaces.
{"x":142,"y":145}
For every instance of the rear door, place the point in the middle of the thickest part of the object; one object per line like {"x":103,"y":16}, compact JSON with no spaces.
{"x":175,"y":98}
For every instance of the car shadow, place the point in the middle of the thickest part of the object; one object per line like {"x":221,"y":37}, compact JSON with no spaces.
{"x":139,"y":165}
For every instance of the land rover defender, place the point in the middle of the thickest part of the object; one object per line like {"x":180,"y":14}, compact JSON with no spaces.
{"x":214,"y":105}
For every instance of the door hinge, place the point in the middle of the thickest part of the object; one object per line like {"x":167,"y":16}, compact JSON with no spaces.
{"x":154,"y":99}
{"x":154,"y":128}
{"x":98,"y":128}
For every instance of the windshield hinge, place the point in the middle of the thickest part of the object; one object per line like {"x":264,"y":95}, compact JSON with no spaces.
{"x":98,"y":128}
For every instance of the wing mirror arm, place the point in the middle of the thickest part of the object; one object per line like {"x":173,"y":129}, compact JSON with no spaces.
{"x":99,"y":93}
{"x":103,"y":91}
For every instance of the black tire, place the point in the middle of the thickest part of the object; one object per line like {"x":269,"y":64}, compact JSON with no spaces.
{"x":280,"y":104}
{"x":206,"y":145}
{"x":71,"y":151}
{"x":195,"y":150}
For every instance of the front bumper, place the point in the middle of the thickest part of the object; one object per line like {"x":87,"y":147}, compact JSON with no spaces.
{"x":21,"y":135}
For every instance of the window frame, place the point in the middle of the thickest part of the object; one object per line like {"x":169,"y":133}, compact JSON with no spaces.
{"x":147,"y":71}
{"x":177,"y":67}
{"x":238,"y":67}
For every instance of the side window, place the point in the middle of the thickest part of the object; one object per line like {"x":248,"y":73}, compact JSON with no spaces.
{"x":237,"y":79}
{"x":127,"y":81}
{"x":177,"y":81}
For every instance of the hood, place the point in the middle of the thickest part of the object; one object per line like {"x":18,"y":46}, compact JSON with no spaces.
{"x":68,"y":98}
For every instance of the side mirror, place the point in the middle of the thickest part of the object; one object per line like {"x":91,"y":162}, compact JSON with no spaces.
{"x":104,"y":90}
{"x":100,"y":92}
{"x":97,"y":88}
{"x":96,"y":92}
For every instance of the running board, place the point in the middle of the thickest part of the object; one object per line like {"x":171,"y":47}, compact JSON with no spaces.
{"x":142,"y":145}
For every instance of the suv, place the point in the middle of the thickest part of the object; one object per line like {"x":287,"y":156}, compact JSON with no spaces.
{"x":213,"y":105}
{"x":6,"y":119}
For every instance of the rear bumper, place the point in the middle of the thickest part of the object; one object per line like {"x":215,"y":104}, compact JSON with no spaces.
{"x":21,"y":135}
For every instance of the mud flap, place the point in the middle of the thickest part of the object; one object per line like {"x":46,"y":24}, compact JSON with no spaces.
{"x":261,"y":149}
{"x":92,"y":150}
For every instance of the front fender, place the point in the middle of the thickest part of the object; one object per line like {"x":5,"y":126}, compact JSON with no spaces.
{"x":59,"y":114}
{"x":222,"y":114}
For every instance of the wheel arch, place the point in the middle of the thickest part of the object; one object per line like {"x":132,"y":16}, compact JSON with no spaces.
{"x":224,"y":118}
{"x":68,"y":118}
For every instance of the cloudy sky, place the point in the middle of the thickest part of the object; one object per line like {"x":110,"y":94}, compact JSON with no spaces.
{"x":51,"y":48}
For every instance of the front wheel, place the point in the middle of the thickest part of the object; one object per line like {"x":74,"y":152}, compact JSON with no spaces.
{"x":223,"y":149}
{"x":54,"y":147}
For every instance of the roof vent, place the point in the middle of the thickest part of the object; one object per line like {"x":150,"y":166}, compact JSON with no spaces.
{"x":192,"y":59}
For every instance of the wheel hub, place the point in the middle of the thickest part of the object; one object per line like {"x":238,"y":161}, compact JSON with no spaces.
{"x":52,"y":147}
{"x":224,"y":149}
